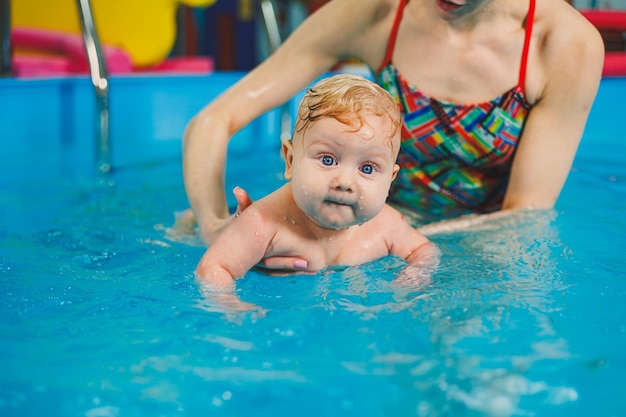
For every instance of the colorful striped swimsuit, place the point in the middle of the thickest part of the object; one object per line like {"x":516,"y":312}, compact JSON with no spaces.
{"x":454,"y":159}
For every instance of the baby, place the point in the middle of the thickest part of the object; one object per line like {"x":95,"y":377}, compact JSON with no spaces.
{"x":332,"y":211}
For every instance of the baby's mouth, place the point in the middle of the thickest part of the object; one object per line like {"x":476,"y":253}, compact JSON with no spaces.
{"x":449,"y":6}
{"x":338,"y":203}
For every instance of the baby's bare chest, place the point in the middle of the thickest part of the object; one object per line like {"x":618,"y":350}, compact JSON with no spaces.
{"x":353,"y":249}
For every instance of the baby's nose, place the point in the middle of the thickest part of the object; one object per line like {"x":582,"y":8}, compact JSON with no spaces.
{"x":344,"y":180}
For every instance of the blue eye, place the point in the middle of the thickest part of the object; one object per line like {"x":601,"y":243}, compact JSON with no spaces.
{"x":367,"y":169}
{"x":327,"y":160}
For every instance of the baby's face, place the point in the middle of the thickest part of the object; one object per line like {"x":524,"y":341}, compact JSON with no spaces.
{"x":341,"y":177}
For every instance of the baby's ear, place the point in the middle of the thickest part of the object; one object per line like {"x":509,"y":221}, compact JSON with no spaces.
{"x":287,"y":150}
{"x":396,"y":168}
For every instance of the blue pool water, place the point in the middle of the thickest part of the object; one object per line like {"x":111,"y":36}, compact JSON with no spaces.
{"x":100,"y":314}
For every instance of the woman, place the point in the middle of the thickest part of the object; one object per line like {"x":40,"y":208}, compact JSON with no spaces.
{"x":495,"y":96}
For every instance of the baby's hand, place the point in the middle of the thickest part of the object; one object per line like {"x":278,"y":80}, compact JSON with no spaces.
{"x":227,"y":303}
{"x":220,"y":297}
{"x":412,"y":278}
{"x":417,"y":274}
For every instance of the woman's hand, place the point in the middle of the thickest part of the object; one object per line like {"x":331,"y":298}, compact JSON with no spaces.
{"x":210,"y":232}
{"x":185,"y":222}
{"x":276,"y":263}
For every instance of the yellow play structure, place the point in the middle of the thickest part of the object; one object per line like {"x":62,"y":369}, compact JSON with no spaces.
{"x":145,"y":29}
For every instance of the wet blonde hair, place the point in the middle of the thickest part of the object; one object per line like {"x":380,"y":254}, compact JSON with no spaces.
{"x":347,"y":98}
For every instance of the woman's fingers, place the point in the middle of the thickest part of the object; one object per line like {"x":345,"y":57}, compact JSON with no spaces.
{"x":284,"y":263}
{"x":185,"y":220}
{"x":276,"y":263}
{"x":243,"y":199}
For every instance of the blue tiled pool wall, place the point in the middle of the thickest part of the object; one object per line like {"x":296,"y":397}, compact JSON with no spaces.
{"x":49,"y":125}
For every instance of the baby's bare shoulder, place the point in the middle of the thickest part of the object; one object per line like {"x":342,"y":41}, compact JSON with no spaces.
{"x":388,"y":221}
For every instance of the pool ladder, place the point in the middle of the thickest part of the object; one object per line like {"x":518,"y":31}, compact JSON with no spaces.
{"x":270,"y":21}
{"x":5,"y":38}
{"x":100,"y":82}
{"x":99,"y":75}
{"x":97,"y":70}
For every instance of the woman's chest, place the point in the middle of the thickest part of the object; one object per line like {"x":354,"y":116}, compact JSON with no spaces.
{"x":463,"y":68}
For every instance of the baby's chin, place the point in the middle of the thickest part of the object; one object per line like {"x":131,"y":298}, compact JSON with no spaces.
{"x":335,"y":216}
{"x":336,"y":224}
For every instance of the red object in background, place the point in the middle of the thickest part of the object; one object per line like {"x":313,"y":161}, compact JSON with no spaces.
{"x":59,"y":53}
{"x":315,"y":4}
{"x":226,"y":29}
{"x":55,"y":54}
{"x":612,"y":25}
{"x":606,"y":19}
{"x":186,"y":64}
{"x":614,"y":64}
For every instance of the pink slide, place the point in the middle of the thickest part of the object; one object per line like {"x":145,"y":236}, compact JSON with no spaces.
{"x":64,"y":54}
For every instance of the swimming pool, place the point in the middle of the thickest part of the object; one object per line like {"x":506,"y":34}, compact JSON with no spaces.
{"x":100,"y":314}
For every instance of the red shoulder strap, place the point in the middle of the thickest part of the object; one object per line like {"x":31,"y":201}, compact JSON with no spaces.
{"x":391,"y":43}
{"x":530,"y":17}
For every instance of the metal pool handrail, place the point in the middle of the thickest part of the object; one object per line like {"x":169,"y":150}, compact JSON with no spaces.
{"x":99,"y":79}
{"x":97,"y":69}
{"x":273,"y":34}
{"x":5,"y":38}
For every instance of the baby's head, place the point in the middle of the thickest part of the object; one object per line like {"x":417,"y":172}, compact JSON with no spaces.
{"x":349,"y":99}
{"x":342,"y":158}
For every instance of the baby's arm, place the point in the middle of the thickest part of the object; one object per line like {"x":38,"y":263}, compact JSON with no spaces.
{"x":425,"y":255}
{"x":240,"y":246}
{"x":406,"y":242}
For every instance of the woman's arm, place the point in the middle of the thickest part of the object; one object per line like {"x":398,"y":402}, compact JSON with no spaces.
{"x":570,"y":61}
{"x":335,"y":31}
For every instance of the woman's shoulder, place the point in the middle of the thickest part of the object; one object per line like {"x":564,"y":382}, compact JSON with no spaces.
{"x":363,"y":15}
{"x":367,"y":31}
{"x":347,"y":28}
{"x":564,"y":28}
{"x":370,"y":10}
{"x":568,"y":49}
